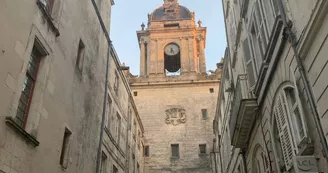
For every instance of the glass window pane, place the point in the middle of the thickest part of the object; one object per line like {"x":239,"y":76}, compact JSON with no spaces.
{"x":250,"y":73}
{"x":246,"y":49}
{"x":275,"y":7}
{"x":31,"y":70}
{"x":28,"y":82}
{"x":299,"y":123}
{"x":204,"y":114}
{"x":202,"y":149}
{"x":291,"y":95}
{"x":22,"y":106}
{"x":19,"y":117}
{"x":24,"y":98}
{"x":175,"y":150}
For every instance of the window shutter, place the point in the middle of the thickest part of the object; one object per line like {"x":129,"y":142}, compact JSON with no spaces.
{"x":249,"y":63}
{"x":284,"y":132}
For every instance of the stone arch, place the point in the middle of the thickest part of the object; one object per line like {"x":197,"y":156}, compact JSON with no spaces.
{"x":260,"y":161}
{"x":276,"y":146}
{"x":172,"y":59}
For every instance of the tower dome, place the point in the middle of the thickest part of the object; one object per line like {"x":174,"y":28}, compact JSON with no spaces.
{"x":171,"y":11}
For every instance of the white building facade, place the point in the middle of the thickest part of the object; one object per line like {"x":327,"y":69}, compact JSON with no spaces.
{"x":272,"y":113}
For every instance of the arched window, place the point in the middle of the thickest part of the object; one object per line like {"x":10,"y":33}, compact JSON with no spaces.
{"x":172,"y":60}
{"x":260,"y":161}
{"x":289,"y":126}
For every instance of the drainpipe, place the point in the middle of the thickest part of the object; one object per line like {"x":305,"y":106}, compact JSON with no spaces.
{"x":305,"y":80}
{"x":127,"y":161}
{"x":99,"y":153}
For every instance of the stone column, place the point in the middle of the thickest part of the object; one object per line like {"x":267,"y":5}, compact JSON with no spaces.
{"x":142,"y":59}
{"x":184,"y":57}
{"x":191,"y":56}
{"x":160,"y":57}
{"x":202,"y":61}
{"x":153,"y":57}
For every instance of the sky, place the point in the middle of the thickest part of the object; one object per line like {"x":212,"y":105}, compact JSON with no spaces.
{"x":128,"y":15}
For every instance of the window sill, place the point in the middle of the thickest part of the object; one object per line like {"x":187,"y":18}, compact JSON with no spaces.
{"x":114,"y":141}
{"x":63,"y":168}
{"x":48,"y":17}
{"x":29,"y":138}
{"x":175,"y":158}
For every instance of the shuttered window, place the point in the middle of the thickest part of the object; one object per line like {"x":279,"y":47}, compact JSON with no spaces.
{"x":249,"y":60}
{"x":284,"y":131}
{"x":295,"y":112}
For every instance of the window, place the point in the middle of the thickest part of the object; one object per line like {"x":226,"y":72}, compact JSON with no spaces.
{"x":116,"y":82}
{"x":250,"y":64}
{"x":175,"y":150}
{"x":270,"y":10}
{"x":28,"y":87}
{"x":261,"y":26}
{"x":204,"y":114}
{"x":290,"y":124}
{"x":134,"y":130}
{"x":146,"y":151}
{"x":171,"y":25}
{"x":295,"y":114}
{"x":233,"y":29}
{"x":118,"y":128}
{"x":115,"y":170}
{"x":103,"y":163}
{"x":80,"y":56}
{"x":255,"y":44}
{"x":211,"y":90}
{"x":108,"y":110}
{"x":260,"y":161}
{"x":65,"y":149}
{"x":135,"y":93}
{"x":202,"y":149}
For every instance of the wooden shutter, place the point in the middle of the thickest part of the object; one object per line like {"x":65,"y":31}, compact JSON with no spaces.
{"x":249,"y":61}
{"x":284,"y":132}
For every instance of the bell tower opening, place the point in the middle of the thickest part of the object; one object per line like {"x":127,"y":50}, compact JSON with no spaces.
{"x":172,"y":60}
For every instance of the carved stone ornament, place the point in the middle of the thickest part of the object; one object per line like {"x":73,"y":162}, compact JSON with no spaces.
{"x":175,"y":116}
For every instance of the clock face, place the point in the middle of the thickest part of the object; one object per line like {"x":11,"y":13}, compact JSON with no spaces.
{"x":172,"y":49}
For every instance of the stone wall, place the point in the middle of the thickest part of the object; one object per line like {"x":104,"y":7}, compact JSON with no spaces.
{"x":171,"y":114}
{"x":65,"y":98}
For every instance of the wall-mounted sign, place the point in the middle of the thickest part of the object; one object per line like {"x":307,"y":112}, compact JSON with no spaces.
{"x":305,"y":164}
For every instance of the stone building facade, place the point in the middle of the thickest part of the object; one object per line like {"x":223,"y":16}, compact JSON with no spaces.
{"x":174,"y":94}
{"x":272,"y":109}
{"x":53,"y":56}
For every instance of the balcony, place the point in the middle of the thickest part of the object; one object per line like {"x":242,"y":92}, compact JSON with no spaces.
{"x":243,"y":113}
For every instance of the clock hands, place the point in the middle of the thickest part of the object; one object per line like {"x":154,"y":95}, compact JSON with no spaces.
{"x":172,"y":51}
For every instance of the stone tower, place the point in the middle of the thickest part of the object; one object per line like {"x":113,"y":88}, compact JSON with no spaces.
{"x":174,"y":94}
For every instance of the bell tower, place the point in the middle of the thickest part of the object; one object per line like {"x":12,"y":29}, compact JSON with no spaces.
{"x":172,"y":44}
{"x":174,"y":94}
